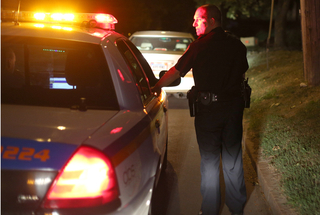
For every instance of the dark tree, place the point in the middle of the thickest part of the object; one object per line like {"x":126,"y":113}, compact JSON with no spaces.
{"x":310,"y":13}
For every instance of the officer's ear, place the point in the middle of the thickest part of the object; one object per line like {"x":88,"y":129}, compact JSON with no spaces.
{"x":212,"y":21}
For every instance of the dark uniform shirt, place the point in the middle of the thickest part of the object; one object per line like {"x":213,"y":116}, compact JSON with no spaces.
{"x":218,"y":61}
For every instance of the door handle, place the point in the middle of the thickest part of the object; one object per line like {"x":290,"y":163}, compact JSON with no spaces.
{"x":165,"y":109}
{"x":157,"y":123}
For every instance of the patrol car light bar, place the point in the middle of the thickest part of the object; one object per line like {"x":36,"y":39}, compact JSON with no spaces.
{"x":105,"y":21}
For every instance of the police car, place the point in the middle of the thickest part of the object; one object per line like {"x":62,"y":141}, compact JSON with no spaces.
{"x":81,"y":130}
{"x":162,"y":50}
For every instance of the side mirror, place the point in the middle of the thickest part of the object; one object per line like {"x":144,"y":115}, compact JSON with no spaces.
{"x":174,"y":83}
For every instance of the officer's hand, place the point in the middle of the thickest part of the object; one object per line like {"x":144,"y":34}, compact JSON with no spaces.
{"x":156,"y":90}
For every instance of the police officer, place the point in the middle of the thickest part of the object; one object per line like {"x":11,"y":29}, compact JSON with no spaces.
{"x":218,"y":62}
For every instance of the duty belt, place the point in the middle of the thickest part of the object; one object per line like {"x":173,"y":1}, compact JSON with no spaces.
{"x":207,"y":97}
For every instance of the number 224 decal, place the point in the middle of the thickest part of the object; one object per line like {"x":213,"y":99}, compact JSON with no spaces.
{"x":24,"y":153}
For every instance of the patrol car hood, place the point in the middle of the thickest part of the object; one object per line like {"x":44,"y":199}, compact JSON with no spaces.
{"x":49,"y":124}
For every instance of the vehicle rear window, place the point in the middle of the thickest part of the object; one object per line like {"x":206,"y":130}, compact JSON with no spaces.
{"x":55,"y":73}
{"x":161,"y":43}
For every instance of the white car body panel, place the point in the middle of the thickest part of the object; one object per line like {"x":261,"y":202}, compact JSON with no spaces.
{"x":168,"y":60}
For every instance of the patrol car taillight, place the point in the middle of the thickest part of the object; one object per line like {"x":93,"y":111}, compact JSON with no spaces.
{"x":87,"y":180}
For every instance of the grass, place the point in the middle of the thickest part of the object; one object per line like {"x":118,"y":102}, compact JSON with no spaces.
{"x":284,"y":122}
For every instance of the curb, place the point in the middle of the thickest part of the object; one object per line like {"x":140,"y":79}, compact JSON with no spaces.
{"x":268,"y":180}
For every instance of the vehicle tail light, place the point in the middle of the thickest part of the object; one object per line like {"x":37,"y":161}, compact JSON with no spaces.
{"x":88,"y":179}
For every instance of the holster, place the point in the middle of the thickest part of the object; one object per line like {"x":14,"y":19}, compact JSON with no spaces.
{"x":246,"y":93}
{"x":192,"y":96}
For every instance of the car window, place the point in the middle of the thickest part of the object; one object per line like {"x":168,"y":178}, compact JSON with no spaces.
{"x":138,"y":74}
{"x":143,"y":62}
{"x":161,"y":43}
{"x":57,"y":73}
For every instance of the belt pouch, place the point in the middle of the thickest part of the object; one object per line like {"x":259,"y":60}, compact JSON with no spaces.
{"x":205,"y":98}
{"x":246,"y":91}
{"x":192,"y":100}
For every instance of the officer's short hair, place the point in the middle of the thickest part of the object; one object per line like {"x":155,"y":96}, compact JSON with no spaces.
{"x":212,"y":12}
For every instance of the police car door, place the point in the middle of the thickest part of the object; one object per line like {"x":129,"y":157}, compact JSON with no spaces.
{"x":154,"y":105}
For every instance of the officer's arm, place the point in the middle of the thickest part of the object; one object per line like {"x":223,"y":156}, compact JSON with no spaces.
{"x":167,"y":79}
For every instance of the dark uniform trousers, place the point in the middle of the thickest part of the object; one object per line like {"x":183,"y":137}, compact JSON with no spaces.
{"x":219,"y":132}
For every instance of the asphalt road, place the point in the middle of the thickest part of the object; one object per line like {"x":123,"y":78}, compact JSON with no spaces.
{"x":178,"y":191}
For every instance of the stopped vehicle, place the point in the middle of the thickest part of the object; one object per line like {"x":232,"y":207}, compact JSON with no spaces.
{"x":162,"y":50}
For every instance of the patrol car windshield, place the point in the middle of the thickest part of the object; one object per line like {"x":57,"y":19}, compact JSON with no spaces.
{"x":55,"y":73}
{"x":161,"y":43}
